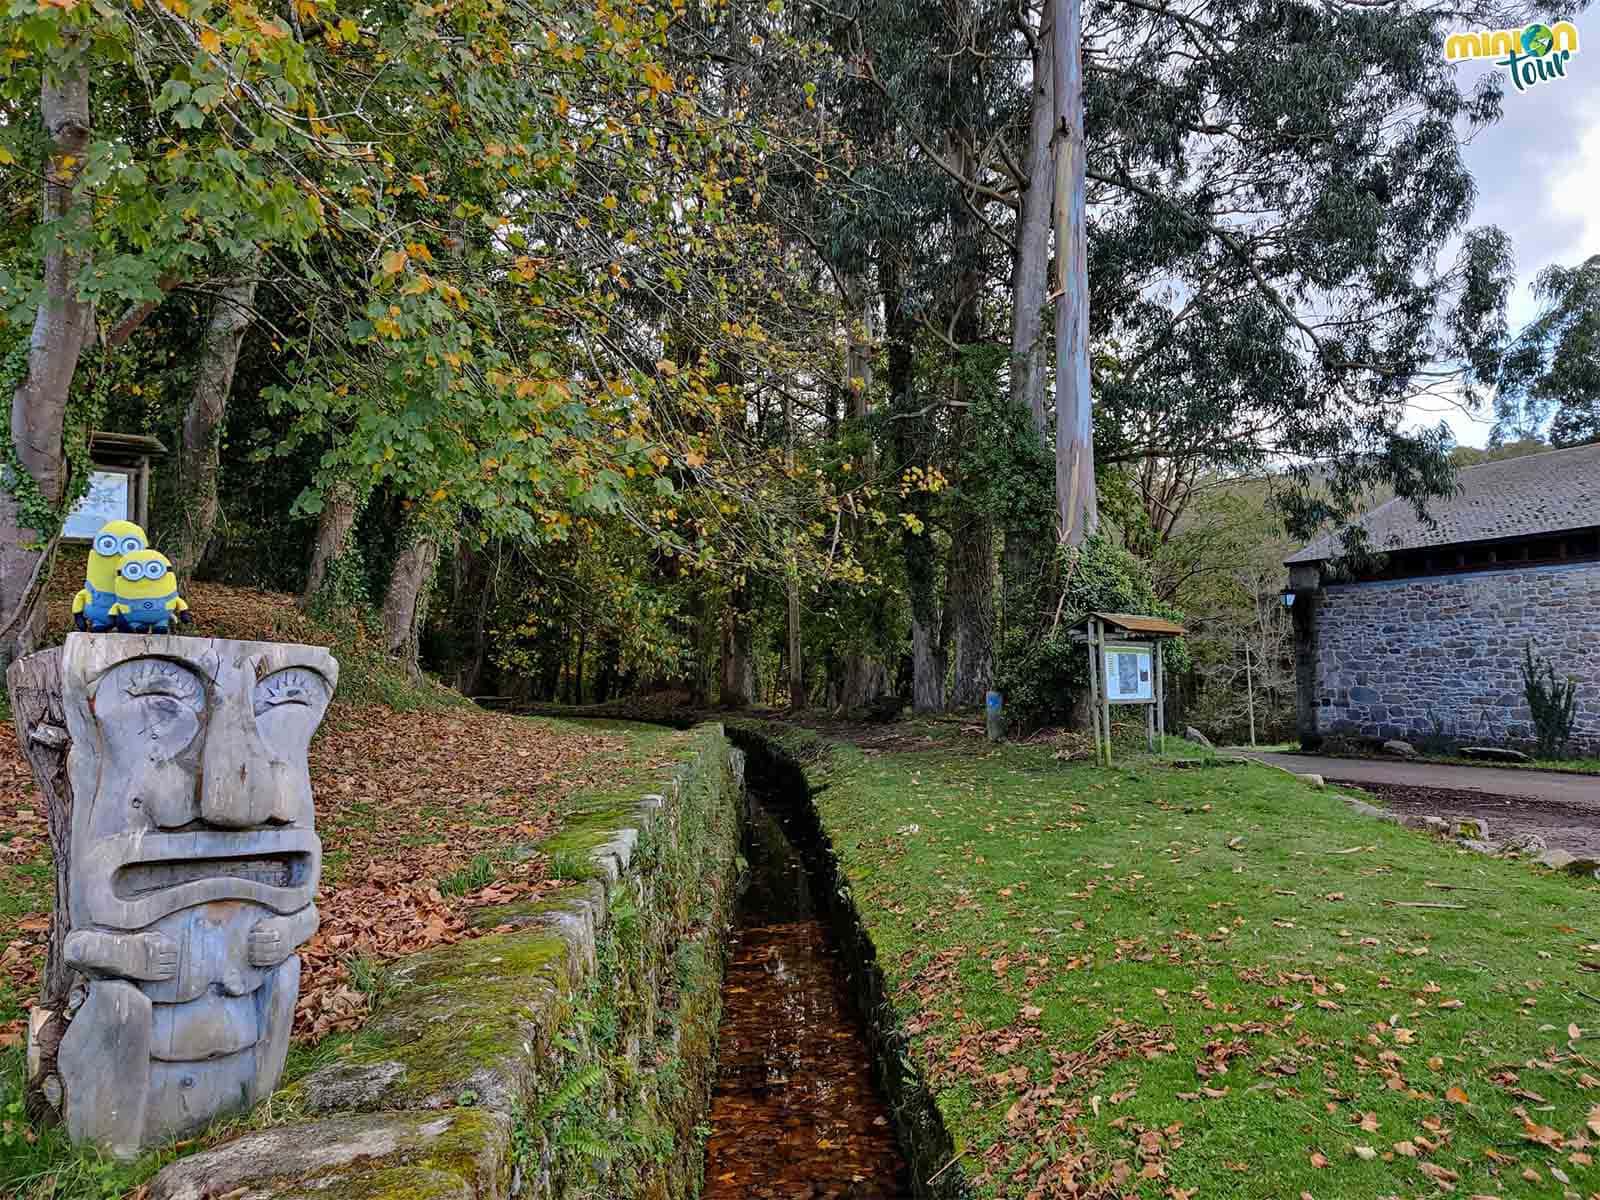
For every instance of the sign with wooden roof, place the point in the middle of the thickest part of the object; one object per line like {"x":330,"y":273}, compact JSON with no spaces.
{"x":1125,"y":668}
{"x":1130,"y":625}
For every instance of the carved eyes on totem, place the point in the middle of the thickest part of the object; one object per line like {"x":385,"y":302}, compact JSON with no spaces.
{"x":158,"y":700}
{"x":289,"y":705}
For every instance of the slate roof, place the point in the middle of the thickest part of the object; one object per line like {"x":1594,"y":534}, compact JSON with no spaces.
{"x":1515,"y":497}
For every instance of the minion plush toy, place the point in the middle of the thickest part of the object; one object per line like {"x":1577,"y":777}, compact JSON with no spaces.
{"x":91,"y":607}
{"x":147,"y":594}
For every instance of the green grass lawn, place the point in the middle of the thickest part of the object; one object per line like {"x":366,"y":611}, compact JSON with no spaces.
{"x":1219,"y":982}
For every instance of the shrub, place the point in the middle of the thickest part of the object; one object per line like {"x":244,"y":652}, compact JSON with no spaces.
{"x":1552,"y":702}
{"x":1043,"y":677}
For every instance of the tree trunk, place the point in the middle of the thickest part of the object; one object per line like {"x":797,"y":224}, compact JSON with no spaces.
{"x":972,"y":594}
{"x":738,"y":655}
{"x":34,"y":684}
{"x":859,"y":340}
{"x":1030,"y":279}
{"x":338,"y":516}
{"x":865,"y":679}
{"x":1077,"y":505}
{"x":60,"y":329}
{"x":200,"y":455}
{"x":608,"y":673}
{"x":969,"y":585}
{"x":912,"y":442}
{"x":929,"y":664}
{"x":1030,"y":272}
{"x":797,"y":678}
{"x":405,"y":604}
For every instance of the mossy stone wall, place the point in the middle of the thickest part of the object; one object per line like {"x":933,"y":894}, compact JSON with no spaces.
{"x":571,"y":1049}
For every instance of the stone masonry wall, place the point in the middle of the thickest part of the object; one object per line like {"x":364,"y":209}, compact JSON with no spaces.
{"x":1408,"y":658}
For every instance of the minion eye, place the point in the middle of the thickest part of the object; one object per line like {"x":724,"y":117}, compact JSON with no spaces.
{"x":154,"y":570}
{"x":132,"y":571}
{"x":106,"y":544}
{"x":131,"y":545}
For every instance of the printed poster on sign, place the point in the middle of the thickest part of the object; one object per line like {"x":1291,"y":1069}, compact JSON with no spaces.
{"x":107,"y":499}
{"x":1128,"y":676}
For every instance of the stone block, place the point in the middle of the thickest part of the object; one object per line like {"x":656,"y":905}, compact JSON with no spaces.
{"x":1426,"y":824}
{"x":462,"y":1153}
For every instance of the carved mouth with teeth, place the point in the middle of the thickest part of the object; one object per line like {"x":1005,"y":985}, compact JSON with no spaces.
{"x":283,"y":870}
{"x":152,"y":875}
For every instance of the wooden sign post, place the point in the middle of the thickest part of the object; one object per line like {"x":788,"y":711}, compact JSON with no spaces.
{"x":1125,"y":668}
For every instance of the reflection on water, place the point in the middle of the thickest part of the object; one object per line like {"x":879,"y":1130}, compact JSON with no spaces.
{"x":795,"y":1113}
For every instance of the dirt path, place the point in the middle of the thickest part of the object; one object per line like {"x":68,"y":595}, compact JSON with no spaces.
{"x":1497,"y":781}
{"x":1564,"y":810}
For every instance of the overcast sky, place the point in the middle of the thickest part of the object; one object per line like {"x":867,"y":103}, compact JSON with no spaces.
{"x":1538,"y":177}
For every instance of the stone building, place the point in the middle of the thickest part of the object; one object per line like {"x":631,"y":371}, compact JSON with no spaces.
{"x":1429,"y":643}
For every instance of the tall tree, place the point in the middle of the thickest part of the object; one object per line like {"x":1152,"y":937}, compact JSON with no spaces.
{"x":1077,"y":507}
{"x":200,"y":454}
{"x":1551,"y":373}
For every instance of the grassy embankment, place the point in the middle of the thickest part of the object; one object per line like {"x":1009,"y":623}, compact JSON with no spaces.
{"x":1219,"y":982}
{"x":421,"y":800}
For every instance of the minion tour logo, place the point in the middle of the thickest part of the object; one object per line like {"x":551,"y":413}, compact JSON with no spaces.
{"x":1530,"y":56}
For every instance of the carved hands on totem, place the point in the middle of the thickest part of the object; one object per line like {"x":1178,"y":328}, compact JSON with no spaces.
{"x":194,"y":865}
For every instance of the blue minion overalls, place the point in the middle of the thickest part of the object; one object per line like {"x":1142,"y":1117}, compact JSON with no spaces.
{"x":97,"y":612}
{"x":149,"y":614}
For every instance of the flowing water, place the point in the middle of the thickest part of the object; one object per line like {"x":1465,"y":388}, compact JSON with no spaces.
{"x":795,"y":1113}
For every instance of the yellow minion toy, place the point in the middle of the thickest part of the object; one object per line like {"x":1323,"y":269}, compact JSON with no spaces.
{"x":147,"y":594}
{"x":91,"y":607}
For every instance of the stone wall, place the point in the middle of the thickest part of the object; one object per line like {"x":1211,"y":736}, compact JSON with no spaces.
{"x":1412,"y":658}
{"x":567,"y":1053}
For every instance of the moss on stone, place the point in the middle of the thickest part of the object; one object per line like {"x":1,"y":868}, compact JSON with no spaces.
{"x":462,"y":1026}
{"x":391,"y":1183}
{"x":568,"y":901}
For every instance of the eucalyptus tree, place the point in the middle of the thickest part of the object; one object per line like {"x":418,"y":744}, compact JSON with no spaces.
{"x":1550,"y":378}
{"x":1270,"y":187}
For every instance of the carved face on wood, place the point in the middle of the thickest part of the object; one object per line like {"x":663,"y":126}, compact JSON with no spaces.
{"x":193,"y":866}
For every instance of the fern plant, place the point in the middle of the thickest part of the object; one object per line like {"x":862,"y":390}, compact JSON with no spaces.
{"x":1552,"y":702}
{"x":572,"y":1087}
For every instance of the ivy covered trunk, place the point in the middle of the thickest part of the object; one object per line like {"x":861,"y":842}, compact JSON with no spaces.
{"x":970,"y":578}
{"x":972,"y":593}
{"x":200,"y":458}
{"x":1030,"y":270}
{"x":339,"y":508}
{"x":912,"y":442}
{"x":29,"y":514}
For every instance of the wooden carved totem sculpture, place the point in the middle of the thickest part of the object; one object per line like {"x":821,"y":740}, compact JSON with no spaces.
{"x":186,"y":878}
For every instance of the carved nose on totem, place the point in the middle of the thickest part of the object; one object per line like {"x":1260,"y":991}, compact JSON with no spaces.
{"x":240,"y":786}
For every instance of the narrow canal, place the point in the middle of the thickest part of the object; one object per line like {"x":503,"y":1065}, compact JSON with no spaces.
{"x":795,"y":1113}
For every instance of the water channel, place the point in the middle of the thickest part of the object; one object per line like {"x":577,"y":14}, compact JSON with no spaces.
{"x":795,"y":1112}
